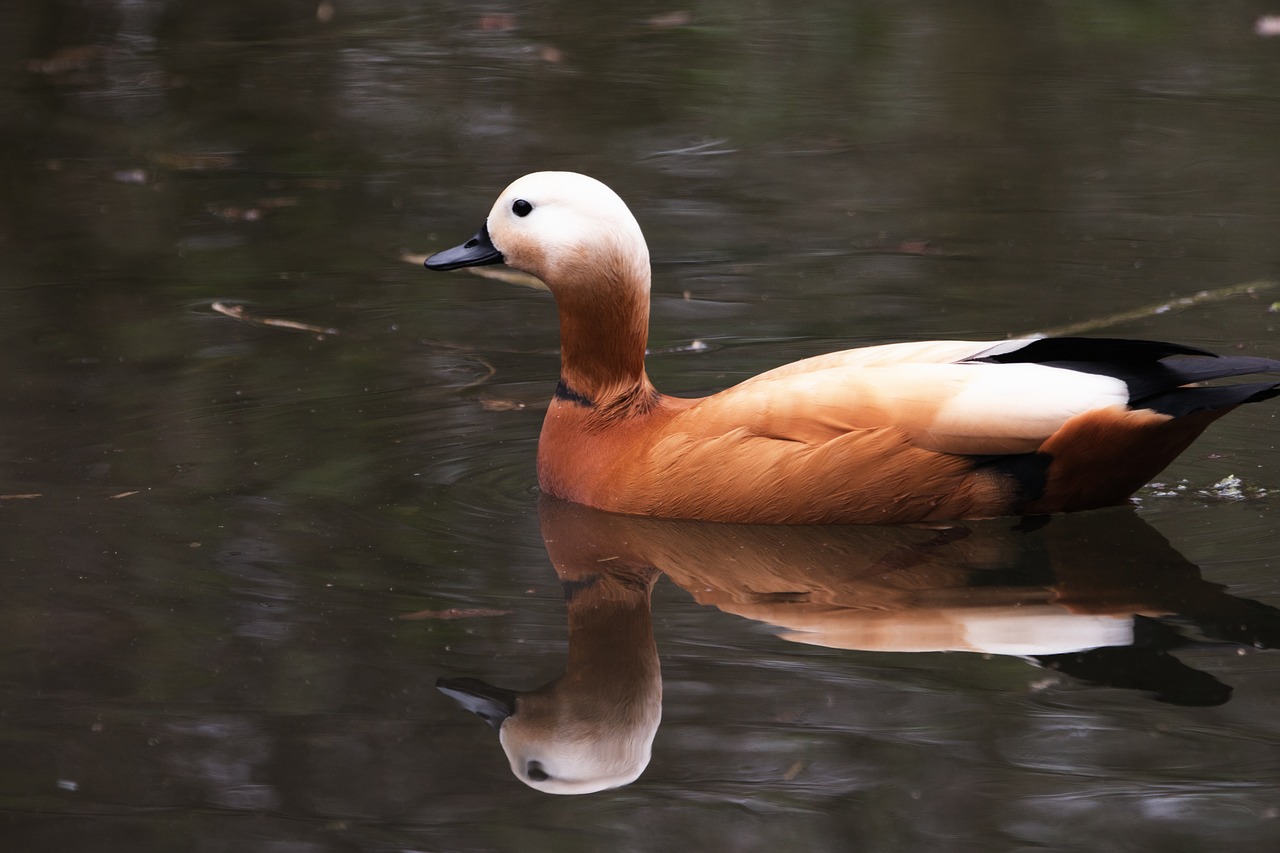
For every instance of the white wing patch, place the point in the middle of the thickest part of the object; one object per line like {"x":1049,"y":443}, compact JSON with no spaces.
{"x":968,"y":408}
{"x":1010,"y":408}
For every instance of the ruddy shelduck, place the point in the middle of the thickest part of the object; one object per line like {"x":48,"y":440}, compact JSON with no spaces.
{"x":902,"y":432}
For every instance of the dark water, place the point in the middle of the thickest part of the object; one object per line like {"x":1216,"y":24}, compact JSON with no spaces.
{"x":237,"y":557}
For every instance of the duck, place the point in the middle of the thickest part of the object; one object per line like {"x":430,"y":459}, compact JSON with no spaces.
{"x":906,"y":432}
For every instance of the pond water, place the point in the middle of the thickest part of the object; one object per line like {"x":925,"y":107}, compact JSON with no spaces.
{"x":265,"y":482}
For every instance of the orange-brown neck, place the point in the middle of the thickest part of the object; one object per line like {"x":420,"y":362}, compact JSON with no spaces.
{"x":603,"y":333}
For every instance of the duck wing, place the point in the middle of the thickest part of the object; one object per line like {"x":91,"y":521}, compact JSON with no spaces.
{"x":888,"y":355}
{"x":889,"y":436}
{"x":974,"y":398}
{"x":962,"y":408}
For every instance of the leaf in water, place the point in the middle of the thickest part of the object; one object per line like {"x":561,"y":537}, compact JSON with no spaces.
{"x":497,"y":22}
{"x":319,"y":183}
{"x":451,"y":613}
{"x":236,"y":214}
{"x":65,"y":61}
{"x":671,"y":20}
{"x":918,"y":247}
{"x":492,"y":405}
{"x":20,"y":497}
{"x":208,"y":162}
{"x":124,"y":495}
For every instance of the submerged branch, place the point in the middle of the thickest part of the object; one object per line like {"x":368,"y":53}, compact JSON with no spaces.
{"x":1155,"y":310}
{"x":237,"y":312}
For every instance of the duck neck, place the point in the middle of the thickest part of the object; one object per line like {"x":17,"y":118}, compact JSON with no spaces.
{"x":603,"y":335}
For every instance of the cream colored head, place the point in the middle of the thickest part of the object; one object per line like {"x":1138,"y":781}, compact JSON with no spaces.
{"x":569,"y":230}
{"x":576,"y":756}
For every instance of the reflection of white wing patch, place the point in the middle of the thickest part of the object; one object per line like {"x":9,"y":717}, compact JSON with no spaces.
{"x":1029,"y":630}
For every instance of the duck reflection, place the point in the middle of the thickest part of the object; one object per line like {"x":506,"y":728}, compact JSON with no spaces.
{"x":591,"y":728}
{"x":1100,"y":596}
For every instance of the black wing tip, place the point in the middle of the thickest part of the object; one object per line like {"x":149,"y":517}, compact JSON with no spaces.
{"x":1078,"y":349}
{"x":1184,"y":401}
{"x":1161,"y":376}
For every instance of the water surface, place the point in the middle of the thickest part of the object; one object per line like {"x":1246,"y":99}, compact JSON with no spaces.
{"x":238,"y":556}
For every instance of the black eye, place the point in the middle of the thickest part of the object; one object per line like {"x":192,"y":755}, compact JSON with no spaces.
{"x":534,"y":769}
{"x":520,"y":207}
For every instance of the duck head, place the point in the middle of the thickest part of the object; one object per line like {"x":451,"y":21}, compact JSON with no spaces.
{"x":580,"y":239}
{"x":567,"y":229}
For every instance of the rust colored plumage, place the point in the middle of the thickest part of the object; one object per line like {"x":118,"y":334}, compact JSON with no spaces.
{"x":895,"y":433}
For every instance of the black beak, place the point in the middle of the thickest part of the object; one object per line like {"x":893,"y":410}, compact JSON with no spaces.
{"x":476,"y":252}
{"x":492,"y":704}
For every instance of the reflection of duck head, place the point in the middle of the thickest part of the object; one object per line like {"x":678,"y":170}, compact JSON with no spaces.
{"x":1087,"y":595}
{"x":592,"y":728}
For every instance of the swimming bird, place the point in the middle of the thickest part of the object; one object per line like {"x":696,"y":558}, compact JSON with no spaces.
{"x":894,"y":433}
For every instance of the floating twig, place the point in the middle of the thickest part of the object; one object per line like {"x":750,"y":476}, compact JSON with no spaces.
{"x":490,"y":370}
{"x":208,"y":161}
{"x":237,"y":312}
{"x":702,"y":149}
{"x":1155,"y":310}
{"x":452,"y":613}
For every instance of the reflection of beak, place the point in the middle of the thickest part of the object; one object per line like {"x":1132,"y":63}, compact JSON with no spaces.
{"x":492,"y":704}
